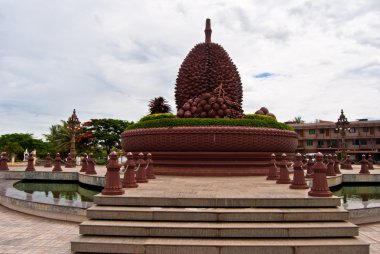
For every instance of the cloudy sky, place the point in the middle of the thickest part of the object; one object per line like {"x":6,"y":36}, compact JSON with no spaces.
{"x":107,"y":58}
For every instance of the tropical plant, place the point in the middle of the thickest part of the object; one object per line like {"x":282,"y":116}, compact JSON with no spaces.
{"x":159,"y":105}
{"x":298,"y":119}
{"x":59,"y":137}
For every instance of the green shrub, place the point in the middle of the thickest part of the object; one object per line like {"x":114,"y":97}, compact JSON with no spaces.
{"x":259,"y":117}
{"x":174,"y":122}
{"x":156,"y":116}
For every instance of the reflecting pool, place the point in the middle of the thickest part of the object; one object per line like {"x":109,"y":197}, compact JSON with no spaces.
{"x":73,"y":191}
{"x":359,"y":196}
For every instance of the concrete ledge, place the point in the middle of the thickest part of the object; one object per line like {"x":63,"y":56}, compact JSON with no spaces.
{"x":65,"y":213}
{"x":39,"y":175}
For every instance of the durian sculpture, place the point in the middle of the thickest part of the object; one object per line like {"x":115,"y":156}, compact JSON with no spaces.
{"x":208,"y":83}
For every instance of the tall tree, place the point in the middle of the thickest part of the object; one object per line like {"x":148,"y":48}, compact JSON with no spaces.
{"x":16,"y":143}
{"x":103,"y":132}
{"x":59,"y":137}
{"x":298,"y":119}
{"x":159,"y":105}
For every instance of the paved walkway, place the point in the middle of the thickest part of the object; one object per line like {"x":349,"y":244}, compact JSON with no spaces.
{"x":23,"y":233}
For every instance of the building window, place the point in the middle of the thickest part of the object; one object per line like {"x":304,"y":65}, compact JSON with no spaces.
{"x":352,"y":130}
{"x":378,"y":141}
{"x":363,"y":141}
{"x":321,"y":142}
{"x":309,"y":142}
{"x":355,"y":142}
{"x":311,"y":131}
{"x":365,"y":129}
{"x":321,"y":131}
{"x":334,"y":143}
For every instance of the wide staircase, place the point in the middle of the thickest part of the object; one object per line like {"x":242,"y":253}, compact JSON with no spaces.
{"x":265,"y":225}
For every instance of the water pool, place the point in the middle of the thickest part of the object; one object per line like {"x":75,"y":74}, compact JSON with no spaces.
{"x":70,"y":191}
{"x":356,"y":196}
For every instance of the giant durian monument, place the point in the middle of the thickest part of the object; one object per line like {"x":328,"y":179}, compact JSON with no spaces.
{"x":210,"y":135}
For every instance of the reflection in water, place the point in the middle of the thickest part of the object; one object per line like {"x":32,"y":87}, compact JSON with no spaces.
{"x":359,"y":196}
{"x":60,"y":190}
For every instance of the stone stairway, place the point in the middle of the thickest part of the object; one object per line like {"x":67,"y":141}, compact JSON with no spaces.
{"x":265,"y":225}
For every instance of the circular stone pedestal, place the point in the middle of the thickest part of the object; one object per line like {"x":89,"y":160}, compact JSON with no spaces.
{"x":208,"y":151}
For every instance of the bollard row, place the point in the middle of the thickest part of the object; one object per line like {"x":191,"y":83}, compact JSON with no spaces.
{"x":319,"y":170}
{"x":139,"y":171}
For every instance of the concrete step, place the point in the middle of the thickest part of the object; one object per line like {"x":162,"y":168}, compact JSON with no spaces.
{"x":216,"y":214}
{"x":269,"y":201}
{"x":137,"y":245}
{"x":219,"y":229}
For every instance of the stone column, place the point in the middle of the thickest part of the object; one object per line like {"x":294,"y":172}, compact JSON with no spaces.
{"x":84,"y":163}
{"x":129,"y":180}
{"x":141,"y":170}
{"x":273,"y":170}
{"x":149,"y":167}
{"x":57,"y":163}
{"x":284,"y":172}
{"x":364,"y":166}
{"x":91,"y":165}
{"x":370,"y":162}
{"x":298,"y":177}
{"x":30,"y":166}
{"x":4,"y":161}
{"x":320,"y":187}
{"x":113,"y":183}
{"x":309,"y":167}
{"x":330,"y":166}
{"x":336,"y":165}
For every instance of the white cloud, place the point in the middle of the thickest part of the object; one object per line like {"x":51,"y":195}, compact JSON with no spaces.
{"x":108,"y":58}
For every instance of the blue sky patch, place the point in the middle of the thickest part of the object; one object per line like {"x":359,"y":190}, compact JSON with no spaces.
{"x":264,"y":75}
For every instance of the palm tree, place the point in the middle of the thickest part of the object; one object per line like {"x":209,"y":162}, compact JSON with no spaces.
{"x":298,"y":119}
{"x":159,"y":105}
{"x":60,"y":137}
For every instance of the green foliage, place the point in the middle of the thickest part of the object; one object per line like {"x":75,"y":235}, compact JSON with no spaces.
{"x":159,"y":105}
{"x":156,"y":116}
{"x":259,"y":117}
{"x":16,"y":143}
{"x":103,"y":132}
{"x":298,"y":119}
{"x":173,"y":122}
{"x":59,"y":137}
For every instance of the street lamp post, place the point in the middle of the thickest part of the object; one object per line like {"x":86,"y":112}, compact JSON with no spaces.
{"x":342,"y":125}
{"x":73,"y":124}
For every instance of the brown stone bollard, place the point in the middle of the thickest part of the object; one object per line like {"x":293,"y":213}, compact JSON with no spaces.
{"x":298,"y":177}
{"x":149,"y":167}
{"x":330,"y":166}
{"x":273,"y":170}
{"x":91,"y":165}
{"x":129,"y":180}
{"x":48,"y":160}
{"x":70,"y":162}
{"x":370,"y":162}
{"x":30,"y":166}
{"x":57,"y":163}
{"x":284,"y":172}
{"x":364,"y":166}
{"x":336,"y":165}
{"x":348,"y":163}
{"x":84,"y":163}
{"x":113,"y":183}
{"x":141,"y":170}
{"x":326,"y":159}
{"x":309,"y":167}
{"x":4,"y":161}
{"x":320,"y":188}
